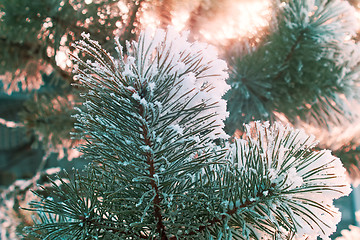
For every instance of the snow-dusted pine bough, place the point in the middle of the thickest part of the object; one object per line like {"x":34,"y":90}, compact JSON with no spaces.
{"x":150,"y":120}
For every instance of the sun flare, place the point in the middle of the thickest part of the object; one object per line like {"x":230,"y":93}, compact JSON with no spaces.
{"x":244,"y":18}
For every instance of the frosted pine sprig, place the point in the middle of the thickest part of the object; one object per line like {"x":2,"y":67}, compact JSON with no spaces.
{"x":162,"y":61}
{"x":292,"y":181}
{"x":150,"y":116}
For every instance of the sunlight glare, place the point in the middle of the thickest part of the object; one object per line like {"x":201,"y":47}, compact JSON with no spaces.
{"x":239,"y":18}
{"x":179,"y":20}
{"x":243,"y":19}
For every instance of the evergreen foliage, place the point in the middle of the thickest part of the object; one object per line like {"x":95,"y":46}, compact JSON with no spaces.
{"x":151,"y":117}
{"x":300,"y":69}
{"x":149,"y":121}
{"x":12,"y":218}
{"x":46,"y":27}
{"x":33,"y":36}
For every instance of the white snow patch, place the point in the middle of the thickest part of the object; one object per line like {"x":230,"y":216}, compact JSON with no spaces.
{"x":177,"y":129}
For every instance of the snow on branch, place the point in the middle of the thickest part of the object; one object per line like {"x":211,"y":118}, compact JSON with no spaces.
{"x":150,"y":117}
{"x":291,"y":184}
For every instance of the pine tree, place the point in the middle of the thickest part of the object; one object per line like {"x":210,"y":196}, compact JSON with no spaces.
{"x":159,"y":101}
{"x":150,"y":121}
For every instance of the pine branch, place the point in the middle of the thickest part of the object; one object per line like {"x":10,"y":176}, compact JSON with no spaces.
{"x":300,"y":69}
{"x":150,"y":162}
{"x":290,"y":54}
{"x":216,"y":220}
{"x":87,"y":221}
{"x":155,"y":173}
{"x":162,"y":112}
